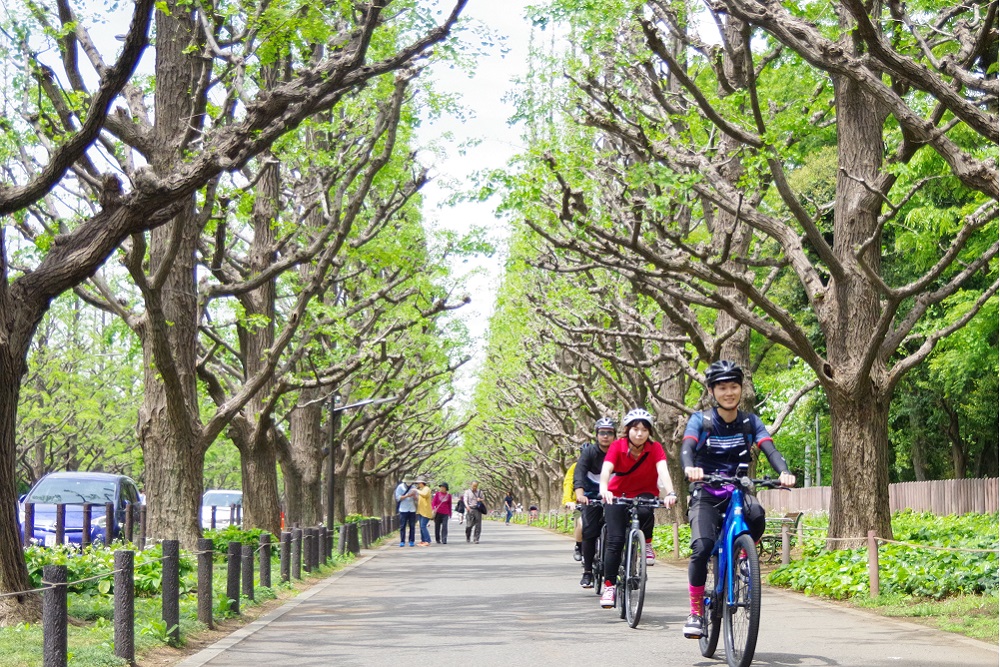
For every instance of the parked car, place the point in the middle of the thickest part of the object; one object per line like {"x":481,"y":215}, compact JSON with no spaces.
{"x":223,"y":501}
{"x":74,"y":489}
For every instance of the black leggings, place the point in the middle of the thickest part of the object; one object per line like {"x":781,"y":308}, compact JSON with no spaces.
{"x":593,"y":520}
{"x":617,"y":519}
{"x":705,"y":513}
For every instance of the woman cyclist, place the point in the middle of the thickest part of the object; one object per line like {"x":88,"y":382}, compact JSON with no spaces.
{"x":719,"y":441}
{"x":634,"y":467}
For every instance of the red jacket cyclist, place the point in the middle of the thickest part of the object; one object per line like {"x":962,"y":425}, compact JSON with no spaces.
{"x":634,"y":467}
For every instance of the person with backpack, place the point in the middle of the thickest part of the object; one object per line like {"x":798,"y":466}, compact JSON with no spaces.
{"x":720,"y":441}
{"x":587,"y":490}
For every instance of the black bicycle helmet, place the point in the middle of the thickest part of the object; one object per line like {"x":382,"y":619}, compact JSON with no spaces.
{"x":637,"y":415}
{"x":604,"y":422}
{"x":723,"y":370}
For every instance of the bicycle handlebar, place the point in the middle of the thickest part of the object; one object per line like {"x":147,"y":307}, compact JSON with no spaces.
{"x":716,"y":480}
{"x":639,"y":502}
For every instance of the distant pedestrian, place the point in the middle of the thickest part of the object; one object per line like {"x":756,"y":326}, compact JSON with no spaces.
{"x":441,"y":504}
{"x":424,"y":511}
{"x":406,"y":502}
{"x":473,"y":517}
{"x":508,"y":505}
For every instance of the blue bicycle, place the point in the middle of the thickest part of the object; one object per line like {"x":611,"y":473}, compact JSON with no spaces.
{"x":732,"y":591}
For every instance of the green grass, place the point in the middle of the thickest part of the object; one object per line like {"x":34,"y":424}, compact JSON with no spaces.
{"x":970,"y":615}
{"x":91,"y":630}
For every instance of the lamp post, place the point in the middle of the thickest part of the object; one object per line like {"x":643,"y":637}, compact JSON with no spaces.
{"x":331,"y":464}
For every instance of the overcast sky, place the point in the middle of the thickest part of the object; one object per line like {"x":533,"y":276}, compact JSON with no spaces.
{"x":484,"y":97}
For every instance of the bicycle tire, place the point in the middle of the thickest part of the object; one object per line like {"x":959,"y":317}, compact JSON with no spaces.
{"x":635,"y":577}
{"x":741,"y":617}
{"x":620,"y":588}
{"x":712,"y":612}
{"x":599,"y":561}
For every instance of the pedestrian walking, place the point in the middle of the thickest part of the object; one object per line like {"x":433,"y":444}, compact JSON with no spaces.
{"x":424,"y":511}
{"x":441,"y":504}
{"x":473,"y":499}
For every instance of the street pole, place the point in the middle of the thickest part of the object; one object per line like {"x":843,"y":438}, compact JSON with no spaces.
{"x":335,"y":410}
{"x":331,"y":463}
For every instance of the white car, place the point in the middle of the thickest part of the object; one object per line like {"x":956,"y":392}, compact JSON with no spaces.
{"x":224,"y":501}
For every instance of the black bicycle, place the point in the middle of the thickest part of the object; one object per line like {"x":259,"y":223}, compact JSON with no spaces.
{"x":631,"y":581}
{"x":732,"y":590}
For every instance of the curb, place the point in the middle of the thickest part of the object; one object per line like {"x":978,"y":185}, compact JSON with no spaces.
{"x":202,"y":657}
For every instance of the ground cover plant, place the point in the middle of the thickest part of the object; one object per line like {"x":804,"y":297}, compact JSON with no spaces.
{"x":91,"y":602}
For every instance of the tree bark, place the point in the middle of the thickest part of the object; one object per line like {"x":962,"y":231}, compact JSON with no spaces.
{"x":13,"y":572}
{"x":859,"y":500}
{"x":169,"y":425}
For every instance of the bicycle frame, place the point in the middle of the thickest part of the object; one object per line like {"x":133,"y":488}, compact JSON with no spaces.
{"x":733,"y":525}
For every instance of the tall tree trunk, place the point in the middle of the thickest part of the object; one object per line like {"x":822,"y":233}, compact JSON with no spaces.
{"x":959,"y":455}
{"x":259,"y":461}
{"x":858,"y":394}
{"x":860,"y":469}
{"x":169,"y":424}
{"x":13,"y":571}
{"x":305,"y":461}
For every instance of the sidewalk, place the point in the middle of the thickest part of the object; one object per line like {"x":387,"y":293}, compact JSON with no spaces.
{"x":514,"y":599}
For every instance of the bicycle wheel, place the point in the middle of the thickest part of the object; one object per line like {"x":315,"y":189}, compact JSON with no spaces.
{"x":635,"y":580}
{"x":620,"y":587}
{"x":741,"y":617}
{"x":599,"y":561}
{"x":712,"y":612}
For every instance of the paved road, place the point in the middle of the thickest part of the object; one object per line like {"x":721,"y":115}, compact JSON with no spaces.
{"x":514,"y":599}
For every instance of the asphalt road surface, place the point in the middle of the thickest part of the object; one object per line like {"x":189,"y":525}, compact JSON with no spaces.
{"x":514,"y":599}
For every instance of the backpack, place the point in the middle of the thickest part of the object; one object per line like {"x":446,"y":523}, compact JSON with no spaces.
{"x":460,"y":507}
{"x":706,"y":427}
{"x":753,"y":511}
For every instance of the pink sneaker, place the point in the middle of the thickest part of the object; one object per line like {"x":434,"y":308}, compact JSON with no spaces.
{"x":608,"y":596}
{"x":650,"y":554}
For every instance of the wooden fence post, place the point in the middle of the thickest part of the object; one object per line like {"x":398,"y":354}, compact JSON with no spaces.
{"x":786,"y":545}
{"x":60,"y":524}
{"x":125,"y":605}
{"x":85,"y":528}
{"x":265,"y":560}
{"x":297,"y":553}
{"x":142,"y":527}
{"x":206,"y":550}
{"x":110,"y":523}
{"x":873,"y":584}
{"x":54,"y":618}
{"x":352,"y":539}
{"x":322,"y":545}
{"x":171,"y":587}
{"x":29,"y":523}
{"x":307,"y":540}
{"x":246,"y":569}
{"x":285,"y":555}
{"x":233,"y":576}
{"x":129,"y":522}
{"x":677,"y":540}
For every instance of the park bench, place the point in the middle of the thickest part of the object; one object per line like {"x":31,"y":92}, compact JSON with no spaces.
{"x":769,"y":545}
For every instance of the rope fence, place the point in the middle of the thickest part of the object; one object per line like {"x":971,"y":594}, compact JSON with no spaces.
{"x":299,"y":549}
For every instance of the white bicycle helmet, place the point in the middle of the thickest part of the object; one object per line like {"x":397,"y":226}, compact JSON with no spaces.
{"x":635,"y":415}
